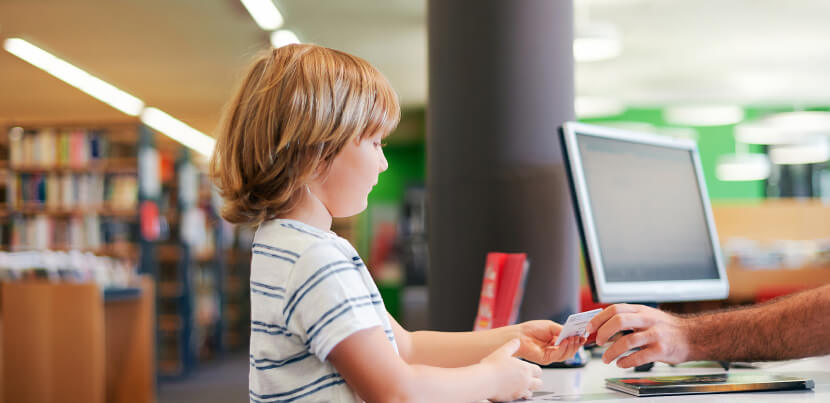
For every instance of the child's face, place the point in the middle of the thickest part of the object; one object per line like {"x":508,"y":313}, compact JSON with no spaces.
{"x":353,"y":173}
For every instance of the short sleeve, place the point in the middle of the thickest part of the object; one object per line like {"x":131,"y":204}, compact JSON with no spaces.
{"x":328,"y":300}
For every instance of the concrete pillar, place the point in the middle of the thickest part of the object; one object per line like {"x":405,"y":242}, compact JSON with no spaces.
{"x":501,"y":83}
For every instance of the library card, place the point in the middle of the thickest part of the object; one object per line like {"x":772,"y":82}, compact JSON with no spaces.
{"x":575,"y":325}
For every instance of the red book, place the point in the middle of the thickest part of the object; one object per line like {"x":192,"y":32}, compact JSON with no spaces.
{"x":489,"y":289}
{"x":510,"y":290}
{"x":501,"y":290}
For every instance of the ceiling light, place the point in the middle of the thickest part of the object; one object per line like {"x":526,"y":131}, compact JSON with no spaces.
{"x":595,"y":41}
{"x":265,"y":13}
{"x":758,"y":133}
{"x":743,"y":167}
{"x":813,"y":151}
{"x":595,"y":107}
{"x":596,"y":49}
{"x":703,"y":115}
{"x":74,"y":76}
{"x":813,"y":122}
{"x":784,"y":128}
{"x":178,"y":130}
{"x":283,"y":37}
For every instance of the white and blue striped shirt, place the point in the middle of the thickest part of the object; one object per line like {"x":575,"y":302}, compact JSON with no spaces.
{"x":309,"y":291}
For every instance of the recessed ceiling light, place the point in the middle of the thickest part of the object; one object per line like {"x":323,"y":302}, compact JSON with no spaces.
{"x":813,"y":151}
{"x":742,"y":167}
{"x":804,"y":121}
{"x":594,"y":107}
{"x":784,"y":128}
{"x":596,"y":41}
{"x":74,"y":76}
{"x":265,"y":13}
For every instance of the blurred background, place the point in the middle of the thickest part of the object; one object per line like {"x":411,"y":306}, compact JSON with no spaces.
{"x":108,"y":222}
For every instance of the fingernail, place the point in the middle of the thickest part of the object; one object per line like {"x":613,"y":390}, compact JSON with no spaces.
{"x":589,"y":328}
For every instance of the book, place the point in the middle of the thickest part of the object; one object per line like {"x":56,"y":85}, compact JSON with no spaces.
{"x":502,"y":290}
{"x":489,"y":286}
{"x":712,"y":383}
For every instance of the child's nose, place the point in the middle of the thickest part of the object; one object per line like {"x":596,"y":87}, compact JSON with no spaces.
{"x":383,"y":163}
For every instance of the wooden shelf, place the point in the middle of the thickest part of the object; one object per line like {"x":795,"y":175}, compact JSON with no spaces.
{"x":169,"y":289}
{"x":76,"y":211}
{"x":169,"y":323}
{"x":109,"y":165}
{"x":119,"y":250}
{"x":744,"y":284}
{"x":168,"y":253}
{"x":169,"y":367}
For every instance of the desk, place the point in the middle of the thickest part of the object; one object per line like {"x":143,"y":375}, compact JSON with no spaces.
{"x":588,"y":384}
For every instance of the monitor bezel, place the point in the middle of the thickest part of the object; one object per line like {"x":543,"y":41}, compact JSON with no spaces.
{"x":636,"y":291}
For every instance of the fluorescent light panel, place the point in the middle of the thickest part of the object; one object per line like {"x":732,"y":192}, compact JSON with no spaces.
{"x":74,"y":76}
{"x":593,"y":107}
{"x":742,"y":167}
{"x":596,"y":40}
{"x":265,"y":13}
{"x":178,"y":130}
{"x":814,"y":151}
{"x":784,"y":128}
{"x":283,"y":37}
{"x":596,"y":49}
{"x":703,"y":115}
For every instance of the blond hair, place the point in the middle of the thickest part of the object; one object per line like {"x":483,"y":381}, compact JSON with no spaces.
{"x":295,"y":110}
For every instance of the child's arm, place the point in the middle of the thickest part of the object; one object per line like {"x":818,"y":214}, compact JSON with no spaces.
{"x":370,"y":366}
{"x":457,"y":349}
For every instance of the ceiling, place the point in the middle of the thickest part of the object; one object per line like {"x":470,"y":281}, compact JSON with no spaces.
{"x":186,"y":56}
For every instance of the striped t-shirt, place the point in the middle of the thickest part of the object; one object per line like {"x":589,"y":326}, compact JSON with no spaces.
{"x":309,"y":291}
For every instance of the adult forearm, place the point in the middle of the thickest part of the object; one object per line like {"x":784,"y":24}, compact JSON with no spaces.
{"x":792,"y":327}
{"x":458,"y":349}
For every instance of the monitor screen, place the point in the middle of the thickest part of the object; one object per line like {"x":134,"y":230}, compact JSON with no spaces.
{"x":644,"y":216}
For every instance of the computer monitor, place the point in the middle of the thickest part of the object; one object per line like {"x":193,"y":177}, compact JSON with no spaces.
{"x":643,"y":215}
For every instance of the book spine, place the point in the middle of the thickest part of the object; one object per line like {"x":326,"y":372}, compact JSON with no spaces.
{"x":489,"y":286}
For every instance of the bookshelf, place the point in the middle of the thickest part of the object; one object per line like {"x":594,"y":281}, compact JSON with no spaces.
{"x":190,"y":271}
{"x":236,"y":309}
{"x":70,"y":187}
{"x":120,"y":192}
{"x":69,"y":220}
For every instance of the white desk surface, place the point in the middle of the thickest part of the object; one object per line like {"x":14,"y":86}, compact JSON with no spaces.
{"x":588,"y":384}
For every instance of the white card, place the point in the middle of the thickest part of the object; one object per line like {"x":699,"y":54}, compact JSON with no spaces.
{"x":575,"y":325}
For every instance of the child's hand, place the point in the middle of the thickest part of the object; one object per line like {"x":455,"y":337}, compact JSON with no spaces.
{"x":538,"y":338}
{"x":516,"y":379}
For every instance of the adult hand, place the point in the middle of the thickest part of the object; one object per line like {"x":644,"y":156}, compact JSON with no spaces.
{"x":660,"y":336}
{"x":538,"y":338}
{"x":515,"y":379}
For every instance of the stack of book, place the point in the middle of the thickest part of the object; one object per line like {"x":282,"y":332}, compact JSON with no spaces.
{"x":501,"y":290}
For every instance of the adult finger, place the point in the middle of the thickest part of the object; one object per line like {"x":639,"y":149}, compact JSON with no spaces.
{"x":555,"y":328}
{"x":620,"y":322}
{"x":644,"y":356}
{"x":626,"y":343}
{"x":608,"y":313}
